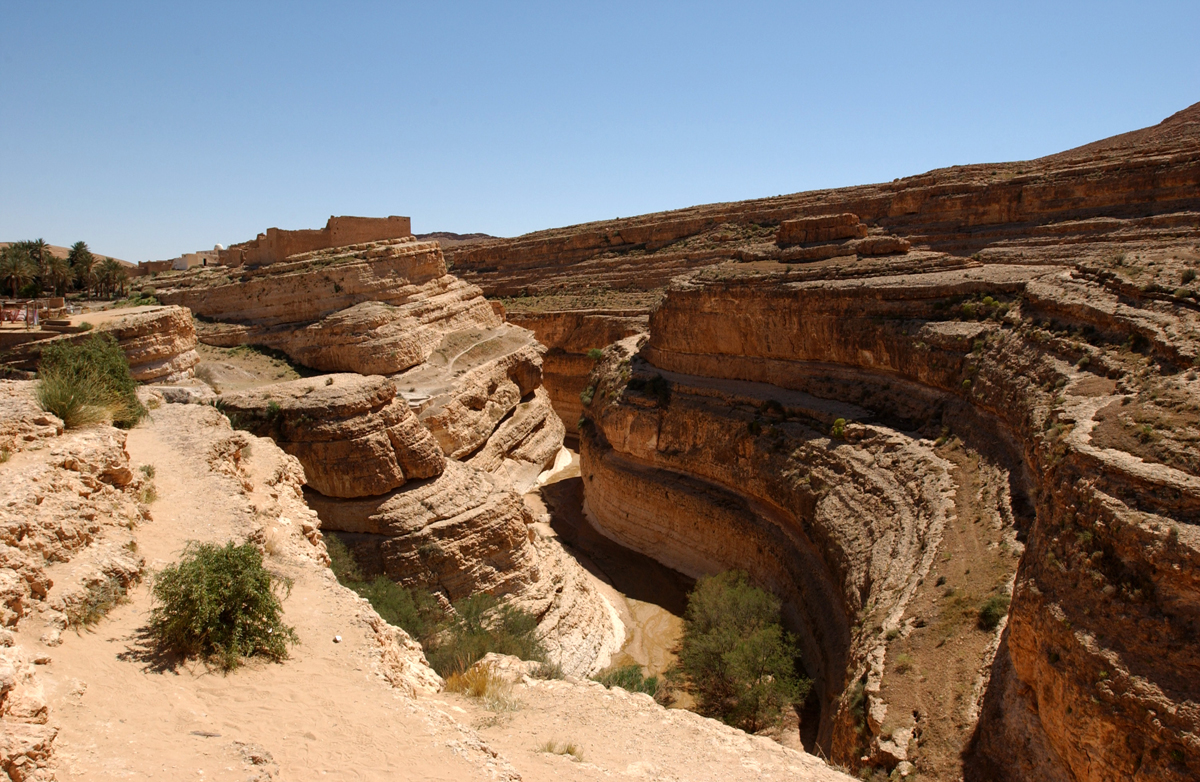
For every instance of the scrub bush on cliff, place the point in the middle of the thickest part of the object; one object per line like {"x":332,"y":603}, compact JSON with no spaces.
{"x":88,"y":383}
{"x":735,"y":657}
{"x":220,"y":604}
{"x":452,"y":643}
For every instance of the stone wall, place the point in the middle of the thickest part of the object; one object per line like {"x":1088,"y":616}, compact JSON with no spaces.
{"x":277,"y":244}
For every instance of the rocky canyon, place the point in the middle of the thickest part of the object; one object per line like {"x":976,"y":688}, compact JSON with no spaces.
{"x":952,"y":422}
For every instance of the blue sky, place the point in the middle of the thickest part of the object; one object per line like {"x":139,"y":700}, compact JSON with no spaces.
{"x":151,"y":129}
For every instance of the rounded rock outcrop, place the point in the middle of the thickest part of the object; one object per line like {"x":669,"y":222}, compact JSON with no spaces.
{"x":353,"y":435}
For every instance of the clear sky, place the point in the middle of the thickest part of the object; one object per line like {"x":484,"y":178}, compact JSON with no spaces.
{"x":151,"y":129}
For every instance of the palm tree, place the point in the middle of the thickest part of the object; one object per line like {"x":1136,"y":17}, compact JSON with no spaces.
{"x":58,"y":274}
{"x":15,"y":268}
{"x":83,"y":265}
{"x":39,"y":251}
{"x":110,"y":276}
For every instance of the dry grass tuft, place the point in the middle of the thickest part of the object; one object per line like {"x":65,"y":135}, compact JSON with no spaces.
{"x":566,"y":748}
{"x":481,"y":681}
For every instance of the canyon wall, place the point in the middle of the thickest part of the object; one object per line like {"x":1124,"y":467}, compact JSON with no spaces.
{"x":786,"y":425}
{"x":431,"y":425}
{"x":570,"y":335}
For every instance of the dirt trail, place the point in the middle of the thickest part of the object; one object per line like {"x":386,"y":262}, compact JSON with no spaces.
{"x":125,"y":713}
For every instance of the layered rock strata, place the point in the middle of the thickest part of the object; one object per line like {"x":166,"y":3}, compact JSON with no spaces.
{"x":718,"y":445}
{"x":1108,"y":196}
{"x":375,"y":308}
{"x":420,"y":458}
{"x":159,"y":343}
{"x":1120,"y":197}
{"x":353,"y":434}
{"x":569,"y":336}
{"x":833,"y":236}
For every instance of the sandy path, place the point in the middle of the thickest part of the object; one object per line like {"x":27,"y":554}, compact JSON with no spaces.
{"x":321,"y":714}
{"x":620,"y":735}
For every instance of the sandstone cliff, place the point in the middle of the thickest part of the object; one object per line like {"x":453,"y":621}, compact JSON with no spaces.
{"x":353,"y":435}
{"x":420,"y":449}
{"x":375,"y":308}
{"x":159,"y":343}
{"x":718,"y":444}
{"x":569,"y":335}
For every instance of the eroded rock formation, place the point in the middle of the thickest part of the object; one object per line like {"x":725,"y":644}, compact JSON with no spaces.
{"x":375,"y":308}
{"x":718,"y":445}
{"x":159,"y":343}
{"x":420,"y":458}
{"x":570,"y":335}
{"x":353,"y":434}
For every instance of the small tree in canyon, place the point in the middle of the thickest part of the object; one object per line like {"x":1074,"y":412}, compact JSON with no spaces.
{"x":735,"y":657}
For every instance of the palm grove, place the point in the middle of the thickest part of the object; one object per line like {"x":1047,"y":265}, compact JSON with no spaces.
{"x":30,"y":268}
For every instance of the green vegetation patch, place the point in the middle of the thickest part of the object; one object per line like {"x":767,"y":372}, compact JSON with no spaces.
{"x":453,"y":641}
{"x":88,"y":382}
{"x":735,"y":657}
{"x":220,"y":604}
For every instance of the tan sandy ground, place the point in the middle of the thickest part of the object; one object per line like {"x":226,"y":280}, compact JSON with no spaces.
{"x":125,"y":712}
{"x":322,"y":714}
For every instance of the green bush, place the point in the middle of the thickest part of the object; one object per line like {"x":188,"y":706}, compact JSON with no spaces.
{"x":451,"y":644}
{"x":595,"y":354}
{"x":88,"y":382}
{"x":631,"y":679}
{"x":220,"y":604}
{"x":482,"y":625}
{"x":838,"y":430}
{"x":735,"y":658}
{"x":991,"y":612}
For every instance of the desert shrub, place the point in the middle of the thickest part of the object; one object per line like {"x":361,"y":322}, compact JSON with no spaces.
{"x":991,"y":612}
{"x":417,"y":612}
{"x":220,"y":604}
{"x":452,"y":644}
{"x":595,"y":354}
{"x":628,"y":677}
{"x":486,"y":684}
{"x":88,"y":383}
{"x":838,"y":430}
{"x":565,"y":748}
{"x":482,"y":625}
{"x":585,"y":396}
{"x":1187,"y":276}
{"x":414,"y":611}
{"x":735,"y":658}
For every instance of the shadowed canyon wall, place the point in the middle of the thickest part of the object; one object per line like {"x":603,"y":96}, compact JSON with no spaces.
{"x":711,"y":449}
